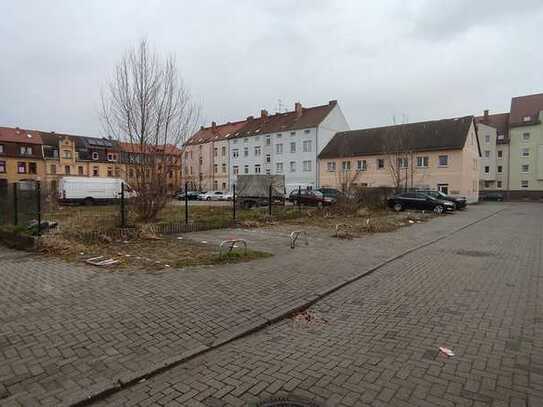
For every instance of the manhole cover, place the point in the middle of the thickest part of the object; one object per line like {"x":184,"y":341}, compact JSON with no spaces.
{"x":286,"y":402}
{"x":474,"y":253}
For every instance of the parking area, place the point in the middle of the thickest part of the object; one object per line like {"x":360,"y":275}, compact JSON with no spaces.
{"x":69,"y":331}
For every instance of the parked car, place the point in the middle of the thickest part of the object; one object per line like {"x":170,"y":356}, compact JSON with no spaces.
{"x":460,"y":201}
{"x":191,"y":195}
{"x":310,"y":197}
{"x":330,"y":192}
{"x":201,"y":195}
{"x":227,"y":196}
{"x":491,"y":196}
{"x":419,"y":200}
{"x":211,"y":196}
{"x":92,"y":190}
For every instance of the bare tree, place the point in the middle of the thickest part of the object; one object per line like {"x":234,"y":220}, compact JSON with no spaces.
{"x":399,"y":156}
{"x":148,"y":106}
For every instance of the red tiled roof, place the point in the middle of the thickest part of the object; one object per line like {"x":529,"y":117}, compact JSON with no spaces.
{"x":525,"y":106}
{"x":500,"y":121}
{"x":216,"y":133}
{"x":17,"y":135}
{"x":305,"y":117}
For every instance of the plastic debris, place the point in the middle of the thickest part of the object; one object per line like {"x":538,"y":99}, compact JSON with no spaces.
{"x":204,"y":241}
{"x":101,"y":261}
{"x":446,"y":351}
{"x":179,"y":238}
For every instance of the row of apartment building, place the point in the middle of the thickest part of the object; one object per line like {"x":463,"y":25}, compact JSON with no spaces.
{"x":314,"y":147}
{"x":29,"y":155}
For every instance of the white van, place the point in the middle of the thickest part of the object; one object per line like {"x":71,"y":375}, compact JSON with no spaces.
{"x":91,"y":190}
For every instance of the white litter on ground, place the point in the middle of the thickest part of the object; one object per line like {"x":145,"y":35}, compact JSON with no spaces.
{"x":446,"y":351}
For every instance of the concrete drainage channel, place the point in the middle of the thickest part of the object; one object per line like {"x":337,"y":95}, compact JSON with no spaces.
{"x":127,"y":380}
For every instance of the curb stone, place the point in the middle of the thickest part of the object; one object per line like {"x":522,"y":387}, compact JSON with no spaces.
{"x":129,"y":379}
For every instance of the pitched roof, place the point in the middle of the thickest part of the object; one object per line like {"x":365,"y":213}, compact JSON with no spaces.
{"x":17,"y":135}
{"x":305,"y":117}
{"x":215,"y":133}
{"x":446,"y":134}
{"x":525,"y":106}
{"x":300,"y":118}
{"x":138,"y":148}
{"x":499,"y":121}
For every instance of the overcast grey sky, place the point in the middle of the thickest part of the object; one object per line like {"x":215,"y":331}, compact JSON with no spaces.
{"x":425,"y":59}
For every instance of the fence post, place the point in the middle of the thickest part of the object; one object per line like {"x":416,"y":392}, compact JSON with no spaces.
{"x":38,"y":193}
{"x":123,"y":213}
{"x":234,"y":202}
{"x":270,"y":201}
{"x":186,"y":203}
{"x":15,"y":205}
{"x":299,"y":198}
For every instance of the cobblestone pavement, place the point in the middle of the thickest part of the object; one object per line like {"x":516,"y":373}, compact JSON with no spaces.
{"x":375,"y":342}
{"x":69,"y":330}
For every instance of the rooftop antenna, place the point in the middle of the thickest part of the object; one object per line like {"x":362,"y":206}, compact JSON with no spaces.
{"x":280,"y":106}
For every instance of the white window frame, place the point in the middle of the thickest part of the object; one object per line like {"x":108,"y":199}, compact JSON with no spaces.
{"x":446,"y":156}
{"x":331,"y":166}
{"x":423,"y":161}
{"x":235,"y":153}
{"x":524,"y":170}
{"x":279,"y":148}
{"x":362,"y":165}
{"x":258,"y":169}
{"x":279,"y":167}
{"x":292,"y":166}
{"x":307,"y":146}
{"x":307,"y":166}
{"x":525,"y":152}
{"x":293,"y":147}
{"x":524,"y":183}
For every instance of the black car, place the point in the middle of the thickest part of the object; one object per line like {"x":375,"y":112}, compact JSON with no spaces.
{"x":329,"y":192}
{"x":491,"y":196}
{"x":419,"y":200}
{"x":460,"y":201}
{"x":191,"y":195}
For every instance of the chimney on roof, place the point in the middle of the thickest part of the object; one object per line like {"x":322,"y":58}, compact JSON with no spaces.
{"x":486,"y":114}
{"x":298,"y":109}
{"x":201,"y":127}
{"x":213,"y":125}
{"x":332,"y":102}
{"x":250,"y":118}
{"x":263,"y":113}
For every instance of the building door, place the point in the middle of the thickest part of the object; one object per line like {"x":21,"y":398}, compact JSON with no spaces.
{"x":444,"y":188}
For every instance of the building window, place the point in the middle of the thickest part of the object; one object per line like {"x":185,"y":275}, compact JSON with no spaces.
{"x":443,"y":160}
{"x":258,"y":151}
{"x":331,"y":166}
{"x":246,"y":169}
{"x":361,"y":165}
{"x":21,"y":168}
{"x":524,"y":184}
{"x":488,"y":184}
{"x":1,"y":149}
{"x":235,"y":169}
{"x":307,"y":146}
{"x":215,"y":151}
{"x":223,"y":168}
{"x":235,"y":141}
{"x":246,"y":139}
{"x":268,"y":158}
{"x":526,"y":118}
{"x":53,"y":169}
{"x":95,"y":156}
{"x":422,"y":162}
{"x":292,"y":133}
{"x":525,"y":152}
{"x":268,"y":140}
{"x":307,"y":131}
{"x":32,"y":168}
{"x":246,"y":151}
{"x":2,"y":167}
{"x":501,"y":137}
{"x":268,"y":171}
{"x":293,"y":147}
{"x":402,"y":162}
{"x":257,"y":168}
{"x":487,"y":169}
{"x":279,"y":148}
{"x":500,"y":169}
{"x":224,"y":186}
{"x":80,"y":170}
{"x":443,"y":188}
{"x":500,"y":154}
{"x":487,"y":153}
{"x":293,"y":166}
{"x":279,"y":168}
{"x":307,"y":165}
{"x":67,"y":169}
{"x":67,"y":154}
{"x":215,"y":168}
{"x":279,"y":135}
{"x":25,"y":150}
{"x":524,"y":168}
{"x":95,"y":172}
{"x":109,"y":172}
{"x":346,"y":165}
{"x":499,"y":184}
{"x":525,"y":137}
{"x":487,"y":139}
{"x":223,"y":151}
{"x":380,"y":163}
{"x":235,"y":153}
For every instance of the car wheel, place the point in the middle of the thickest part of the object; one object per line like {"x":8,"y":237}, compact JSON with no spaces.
{"x":208,"y":198}
{"x":88,"y":201}
{"x":438,"y":209}
{"x":397,"y":207}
